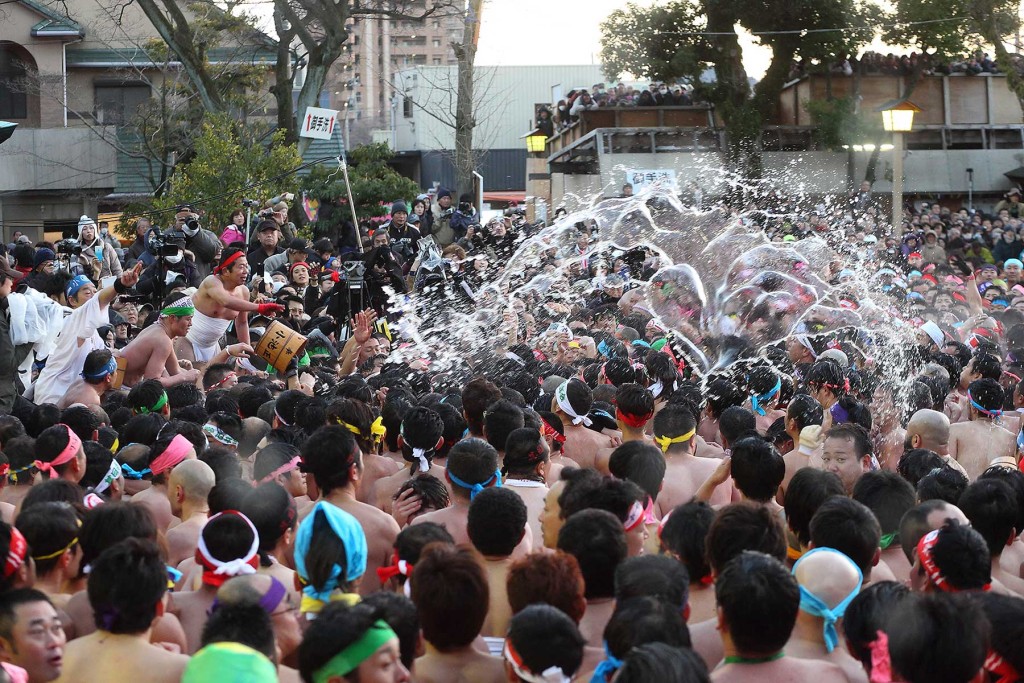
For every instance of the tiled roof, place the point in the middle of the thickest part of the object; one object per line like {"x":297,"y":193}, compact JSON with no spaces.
{"x":55,"y":23}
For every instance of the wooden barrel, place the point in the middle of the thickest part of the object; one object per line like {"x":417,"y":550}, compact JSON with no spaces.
{"x":122,"y":365}
{"x":279,"y":345}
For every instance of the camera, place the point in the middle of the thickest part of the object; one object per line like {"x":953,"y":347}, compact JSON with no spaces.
{"x":192,"y":223}
{"x":166,"y":243}
{"x":250,"y":202}
{"x":404,"y":247}
{"x":69,"y":247}
{"x":353,"y":272}
{"x":465,"y":207}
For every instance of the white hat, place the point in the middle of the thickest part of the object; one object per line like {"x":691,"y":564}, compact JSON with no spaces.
{"x":933,"y":332}
{"x":836,"y":355}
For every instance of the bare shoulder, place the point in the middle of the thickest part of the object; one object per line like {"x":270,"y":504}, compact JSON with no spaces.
{"x":241,"y":291}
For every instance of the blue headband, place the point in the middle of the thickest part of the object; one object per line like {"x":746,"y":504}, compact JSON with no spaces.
{"x":980,"y":409}
{"x":345,"y":527}
{"x":641,"y":343}
{"x":75,"y":284}
{"x":756,"y":400}
{"x":131,"y":473}
{"x":108,"y":369}
{"x":476,"y":488}
{"x":815,"y":606}
{"x":608,"y":666}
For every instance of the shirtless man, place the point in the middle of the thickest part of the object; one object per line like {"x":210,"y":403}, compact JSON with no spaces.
{"x":674,"y":431}
{"x":930,"y":429}
{"x":571,"y":403}
{"x":151,"y":354}
{"x":119,"y":650}
{"x":975,"y":444}
{"x":332,"y":456}
{"x":803,"y":411}
{"x":164,"y":455}
{"x":886,"y":433}
{"x":634,"y":407}
{"x":757,"y":600}
{"x":221,"y":298}
{"x":97,"y":379}
{"x":187,"y":489}
{"x":832,"y":580}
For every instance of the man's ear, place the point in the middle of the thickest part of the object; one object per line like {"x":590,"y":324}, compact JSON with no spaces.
{"x":7,"y":650}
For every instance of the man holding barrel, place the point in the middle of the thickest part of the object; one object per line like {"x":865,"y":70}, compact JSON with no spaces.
{"x":221,"y":298}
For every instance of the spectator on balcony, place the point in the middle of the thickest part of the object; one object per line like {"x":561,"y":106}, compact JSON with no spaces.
{"x":1008,"y":246}
{"x":583,"y":103}
{"x":544,"y":123}
{"x":646,"y":99}
{"x":562,"y":114}
{"x":932,"y":251}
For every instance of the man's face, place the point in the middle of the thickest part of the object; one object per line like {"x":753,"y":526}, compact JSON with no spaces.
{"x":268,"y":239}
{"x":180,"y":326}
{"x":380,"y":241}
{"x":550,"y":517}
{"x":6,"y":285}
{"x":84,"y":294}
{"x":300,"y":276}
{"x":840,"y":457}
{"x":141,"y":227}
{"x":37,"y":641}
{"x":287,"y":628}
{"x":239,"y":270}
{"x":968,"y":375}
{"x":398,"y":219}
{"x":368,"y":350}
{"x":444,"y":202}
{"x":294,"y":310}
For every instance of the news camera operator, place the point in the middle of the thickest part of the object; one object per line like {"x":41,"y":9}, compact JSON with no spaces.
{"x":382,"y":270}
{"x":201,"y":242}
{"x":173,"y":266}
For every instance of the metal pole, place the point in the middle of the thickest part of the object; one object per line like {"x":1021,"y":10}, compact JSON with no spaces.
{"x":248,"y":223}
{"x":970,"y":190}
{"x":897,"y":183}
{"x":351,"y":203}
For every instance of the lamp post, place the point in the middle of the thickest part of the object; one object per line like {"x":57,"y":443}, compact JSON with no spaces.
{"x":536,"y":142}
{"x":898,"y":118}
{"x":538,"y":178}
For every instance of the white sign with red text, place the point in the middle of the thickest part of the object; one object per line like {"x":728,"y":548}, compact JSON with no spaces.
{"x":318,"y":123}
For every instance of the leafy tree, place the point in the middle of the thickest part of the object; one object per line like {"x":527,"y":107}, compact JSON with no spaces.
{"x":374,"y":185}
{"x":228,"y":161}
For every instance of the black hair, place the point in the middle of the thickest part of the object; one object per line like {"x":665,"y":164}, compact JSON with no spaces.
{"x":272,"y":511}
{"x":83,"y":422}
{"x":644,"y":619}
{"x":223,"y":462}
{"x":50,"y":443}
{"x":144,"y":396}
{"x":942,"y":483}
{"x":662,"y":662}
{"x":496,"y":521}
{"x":242,"y":623}
{"x":431,"y":491}
{"x":545,"y":637}
{"x":54,"y":491}
{"x":126,"y":584}
{"x":657,"y":576}
{"x":411,"y":540}
{"x":421,"y":428}
{"x":634,"y":400}
{"x":640,"y":463}
{"x":827,"y":374}
{"x":251,"y":398}
{"x":449,"y":587}
{"x":524,"y":450}
{"x":849,"y":527}
{"x":1015,"y":478}
{"x":50,"y":530}
{"x":661,"y":368}
{"x":869,"y":613}
{"x":328,"y":454}
{"x":916,"y":463}
{"x":10,"y":601}
{"x":472,"y":461}
{"x":988,"y":366}
{"x":398,"y":612}
{"x":807,"y":490}
{"x":684,"y":534}
{"x":97,"y":464}
{"x":500,"y":419}
{"x":271,"y":457}
{"x":598,"y":542}
{"x":722,"y":395}
{"x":887,"y":495}
{"x":142,"y":429}
{"x":805,"y":411}
{"x":392,"y":413}
{"x":673,"y":421}
{"x":228,"y":494}
{"x":735,"y":423}
{"x":962,"y":557}
{"x":853,"y":432}
{"x":991,"y":508}
{"x":335,"y":628}
{"x":937,"y":638}
{"x":617,"y":496}
{"x":44,"y":415}
{"x":229,"y":423}
{"x":1006,"y":616}
{"x":988,"y":394}
{"x":759,"y":599}
{"x":326,"y":552}
{"x":744,"y":526}
{"x":757,"y":468}
{"x":183,"y":394}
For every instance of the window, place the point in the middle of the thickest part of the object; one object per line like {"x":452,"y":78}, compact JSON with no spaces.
{"x":407,"y":107}
{"x":436,"y":42}
{"x":437,"y":60}
{"x":13,"y":99}
{"x":117,"y":103}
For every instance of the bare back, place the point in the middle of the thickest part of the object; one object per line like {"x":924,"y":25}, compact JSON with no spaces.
{"x":102,"y":658}
{"x":82,"y":392}
{"x":785,"y":670}
{"x":155,"y":500}
{"x":977,"y":443}
{"x":683,"y":476}
{"x":582,"y":445}
{"x":381,"y":530}
{"x":151,"y":348}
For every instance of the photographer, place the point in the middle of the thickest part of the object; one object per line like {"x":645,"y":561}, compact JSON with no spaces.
{"x":440,"y":225}
{"x":173,"y":268}
{"x":201,"y":242}
{"x":96,"y":257}
{"x":382,"y":270}
{"x":464,"y":217}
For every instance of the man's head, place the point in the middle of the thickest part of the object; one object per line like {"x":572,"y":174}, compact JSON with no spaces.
{"x":191,"y":481}
{"x":925,"y":517}
{"x":399,"y":214}
{"x":597,"y":540}
{"x":553,"y":578}
{"x":450,"y":590}
{"x":270,"y":595}
{"x":472,"y":466}
{"x":496,"y":522}
{"x":758,"y":601}
{"x":847,"y":453}
{"x":986,"y":398}
{"x":807,"y":490}
{"x":31,"y":634}
{"x":674,"y":429}
{"x":744,"y":526}
{"x":132,"y":562}
{"x":928,"y":429}
{"x":849,"y":527}
{"x":888,"y":496}
{"x":757,"y":469}
{"x":937,"y":638}
{"x":267,"y":234}
{"x":951,"y":559}
{"x":828,"y":580}
{"x":332,"y":456}
{"x":60,"y":453}
{"x":991,"y":508}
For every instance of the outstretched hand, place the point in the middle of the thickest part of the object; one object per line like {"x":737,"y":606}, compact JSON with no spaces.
{"x":362,"y":325}
{"x":130,"y":278}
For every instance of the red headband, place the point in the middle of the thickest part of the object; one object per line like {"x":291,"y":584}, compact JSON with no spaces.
{"x":924,"y":554}
{"x":1001,"y":669}
{"x":15,"y":553}
{"x":66,"y":455}
{"x":226,"y":263}
{"x":172,"y":455}
{"x":552,"y":432}
{"x":396,"y":568}
{"x":634,"y":421}
{"x":297,"y":264}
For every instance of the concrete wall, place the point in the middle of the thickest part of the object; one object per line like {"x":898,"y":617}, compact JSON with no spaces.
{"x":56,"y":159}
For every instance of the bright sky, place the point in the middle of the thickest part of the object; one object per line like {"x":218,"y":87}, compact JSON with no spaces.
{"x":538,"y":32}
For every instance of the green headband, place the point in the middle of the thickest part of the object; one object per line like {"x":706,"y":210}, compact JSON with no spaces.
{"x":349,"y":659}
{"x":177,"y":311}
{"x":159,"y":404}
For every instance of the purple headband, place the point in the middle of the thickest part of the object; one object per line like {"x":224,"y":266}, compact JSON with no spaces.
{"x":269,"y":601}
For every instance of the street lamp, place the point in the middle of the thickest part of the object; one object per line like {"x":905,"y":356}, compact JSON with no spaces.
{"x":536,"y":142}
{"x":898,"y":118}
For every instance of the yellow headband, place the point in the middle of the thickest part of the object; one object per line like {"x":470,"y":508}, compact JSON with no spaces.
{"x":666,"y":441}
{"x":377,"y":429}
{"x":350,"y":427}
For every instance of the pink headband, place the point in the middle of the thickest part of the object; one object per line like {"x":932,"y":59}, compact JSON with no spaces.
{"x":175,"y":453}
{"x":635,"y":517}
{"x":283,"y":469}
{"x":69,"y":452}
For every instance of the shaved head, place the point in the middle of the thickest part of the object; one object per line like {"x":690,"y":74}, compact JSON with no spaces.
{"x":831,"y":576}
{"x":928,"y":516}
{"x":244,"y":590}
{"x":195,"y":478}
{"x":931,"y":429}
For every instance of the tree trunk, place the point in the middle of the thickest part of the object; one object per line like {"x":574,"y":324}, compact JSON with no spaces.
{"x":465,"y":121}
{"x":282,"y":89}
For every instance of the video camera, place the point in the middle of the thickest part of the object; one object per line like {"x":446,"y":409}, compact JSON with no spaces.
{"x":165,"y":243}
{"x":69,"y":247}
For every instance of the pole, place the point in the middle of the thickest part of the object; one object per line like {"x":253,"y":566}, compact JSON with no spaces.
{"x":248,"y":223}
{"x":897,"y":184}
{"x":351,"y":203}
{"x":970,"y":190}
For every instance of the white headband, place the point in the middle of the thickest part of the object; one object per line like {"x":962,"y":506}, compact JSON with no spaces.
{"x":238,"y":566}
{"x":562,"y":399}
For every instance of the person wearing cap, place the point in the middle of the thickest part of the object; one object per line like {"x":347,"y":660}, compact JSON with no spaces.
{"x":173,"y":269}
{"x":267,"y":234}
{"x":202,"y":243}
{"x":42,"y":267}
{"x":398,"y":227}
{"x":295,"y":253}
{"x":1012,"y":272}
{"x":1010,"y":203}
{"x":931,"y":250}
{"x":97,"y":257}
{"x":78,"y":336}
{"x":440,"y":224}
